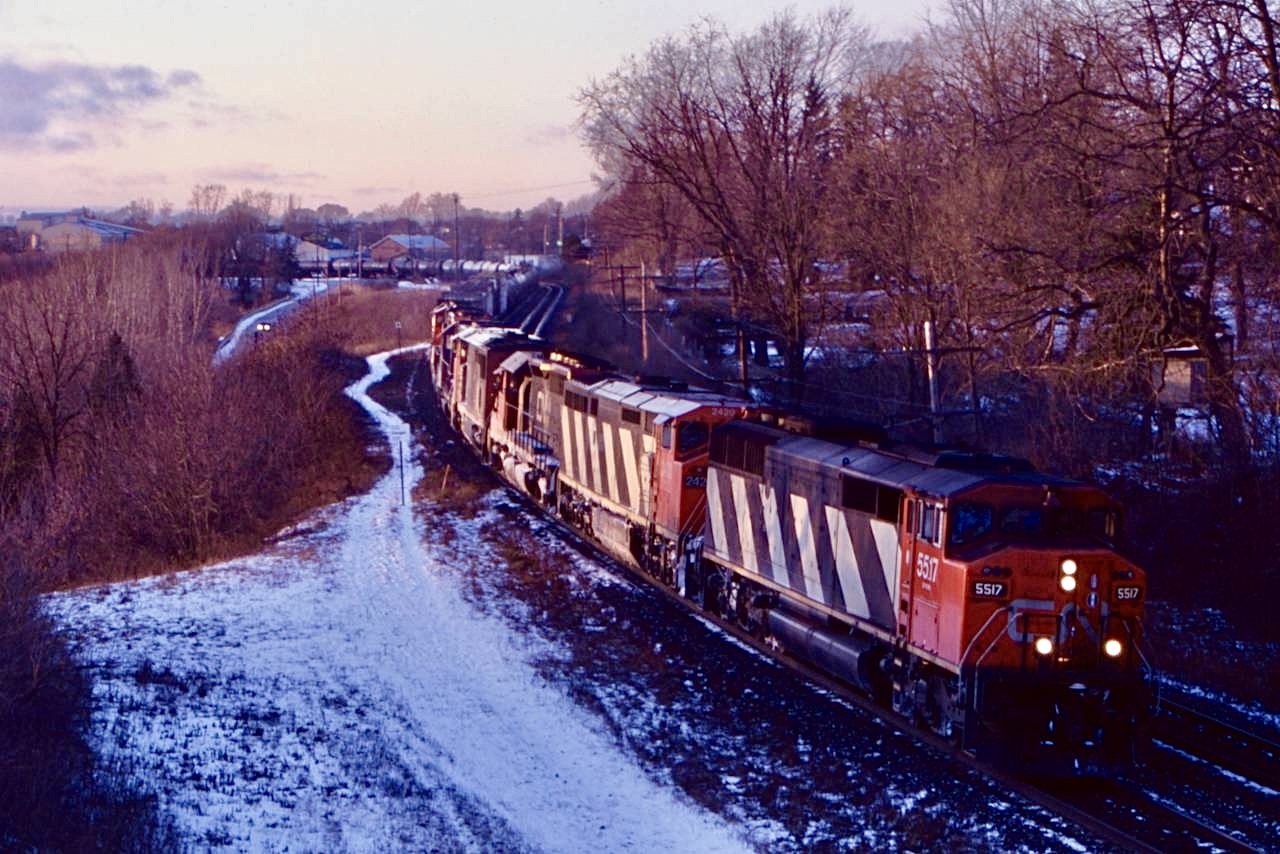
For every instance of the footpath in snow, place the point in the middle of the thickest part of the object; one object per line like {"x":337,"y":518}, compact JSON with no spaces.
{"x":336,"y":692}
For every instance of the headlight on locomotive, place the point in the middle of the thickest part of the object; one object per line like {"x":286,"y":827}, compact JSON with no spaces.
{"x":1113,"y":647}
{"x":1044,"y":646}
{"x":1069,"y":567}
{"x":1068,"y":583}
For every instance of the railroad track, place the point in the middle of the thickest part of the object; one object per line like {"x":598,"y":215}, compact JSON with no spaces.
{"x":1123,"y":815}
{"x":1247,"y":754}
{"x":534,"y":311}
{"x":1126,"y":815}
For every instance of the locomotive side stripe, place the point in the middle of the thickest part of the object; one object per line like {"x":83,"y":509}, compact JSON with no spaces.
{"x":617,"y":484}
{"x":729,"y":543}
{"x":793,"y":561}
{"x":846,"y":566}
{"x":717,"y":513}
{"x":805,"y":544}
{"x":599,"y":461}
{"x":755,"y":539}
{"x":831,"y":590}
{"x":580,"y":439}
{"x":630,"y":464}
{"x":570,"y":460}
{"x":624,"y":480}
{"x":741,"y":534}
{"x":870,"y":569}
{"x":760,"y":530}
{"x":608,"y":471}
{"x":886,"y":534}
{"x":592,"y":436}
{"x":773,"y":523}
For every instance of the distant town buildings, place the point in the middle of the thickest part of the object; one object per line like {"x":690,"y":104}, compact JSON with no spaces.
{"x":415,"y":246}
{"x":68,"y":231}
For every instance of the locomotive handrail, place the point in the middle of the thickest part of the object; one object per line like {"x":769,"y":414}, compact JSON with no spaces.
{"x":979,"y":634}
{"x":976,"y":671}
{"x":702,"y":503}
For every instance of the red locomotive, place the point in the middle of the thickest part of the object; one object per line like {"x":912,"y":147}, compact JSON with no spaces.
{"x":969,"y":592}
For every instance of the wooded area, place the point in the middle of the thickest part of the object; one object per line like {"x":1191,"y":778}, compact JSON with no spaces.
{"x":1082,"y":198}
{"x":1066,"y":190}
{"x":125,"y":451}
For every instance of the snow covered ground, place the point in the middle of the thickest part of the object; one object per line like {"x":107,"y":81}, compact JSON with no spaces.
{"x":336,"y":693}
{"x":375,"y":681}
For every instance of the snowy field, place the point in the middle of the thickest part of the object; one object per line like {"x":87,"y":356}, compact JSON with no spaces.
{"x":377,"y":682}
{"x":335,"y":693}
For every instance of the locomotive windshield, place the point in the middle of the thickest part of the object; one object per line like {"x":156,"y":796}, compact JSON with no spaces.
{"x":970,"y":522}
{"x":691,"y":437}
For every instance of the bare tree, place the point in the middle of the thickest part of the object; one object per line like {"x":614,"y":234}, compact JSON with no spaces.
{"x":741,"y":128}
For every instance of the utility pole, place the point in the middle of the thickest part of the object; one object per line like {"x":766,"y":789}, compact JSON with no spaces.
{"x":644,"y":318}
{"x":559,"y":231}
{"x":931,"y":369}
{"x":457,"y":264}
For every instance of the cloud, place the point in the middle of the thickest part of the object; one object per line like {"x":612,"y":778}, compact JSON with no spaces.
{"x":549,"y":135}
{"x":259,"y":173}
{"x":61,"y":106}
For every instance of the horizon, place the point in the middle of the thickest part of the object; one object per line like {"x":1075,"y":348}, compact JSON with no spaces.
{"x":334,"y":103}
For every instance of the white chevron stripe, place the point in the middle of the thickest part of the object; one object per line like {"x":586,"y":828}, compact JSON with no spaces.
{"x":886,"y":534}
{"x":608,"y":430}
{"x":579,"y":433}
{"x":716,"y":512}
{"x":742,"y":507}
{"x":629,"y":463}
{"x":773,"y":533}
{"x":808,"y":548}
{"x":570,"y":461}
{"x":855,"y":597}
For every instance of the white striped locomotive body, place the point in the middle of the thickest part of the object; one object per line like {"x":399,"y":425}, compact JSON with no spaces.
{"x":622,"y":460}
{"x":967,"y":592}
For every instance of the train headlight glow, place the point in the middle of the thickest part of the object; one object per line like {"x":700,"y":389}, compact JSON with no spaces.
{"x":1068,"y":583}
{"x":1113,"y":648}
{"x":1069,"y":567}
{"x":1044,"y":646}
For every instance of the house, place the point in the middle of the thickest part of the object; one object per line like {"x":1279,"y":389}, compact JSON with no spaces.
{"x":81,"y":234}
{"x":318,"y":256}
{"x":417,"y":246}
{"x":31,"y":223}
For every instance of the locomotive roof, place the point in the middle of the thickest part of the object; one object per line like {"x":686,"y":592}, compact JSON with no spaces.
{"x":938,"y":473}
{"x":490,"y":336}
{"x":660,"y":401}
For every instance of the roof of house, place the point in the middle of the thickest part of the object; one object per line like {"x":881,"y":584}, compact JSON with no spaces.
{"x":106,"y":229}
{"x":417,"y":241}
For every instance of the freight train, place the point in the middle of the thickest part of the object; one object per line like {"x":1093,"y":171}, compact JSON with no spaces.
{"x":967,"y":592}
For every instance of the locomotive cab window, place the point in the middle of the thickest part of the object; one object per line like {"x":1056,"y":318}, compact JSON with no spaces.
{"x":691,"y":438}
{"x":930,"y":522}
{"x":968,"y":522}
{"x":1060,"y":524}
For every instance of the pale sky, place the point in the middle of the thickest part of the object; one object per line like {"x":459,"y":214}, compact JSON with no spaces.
{"x":356,"y":103}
